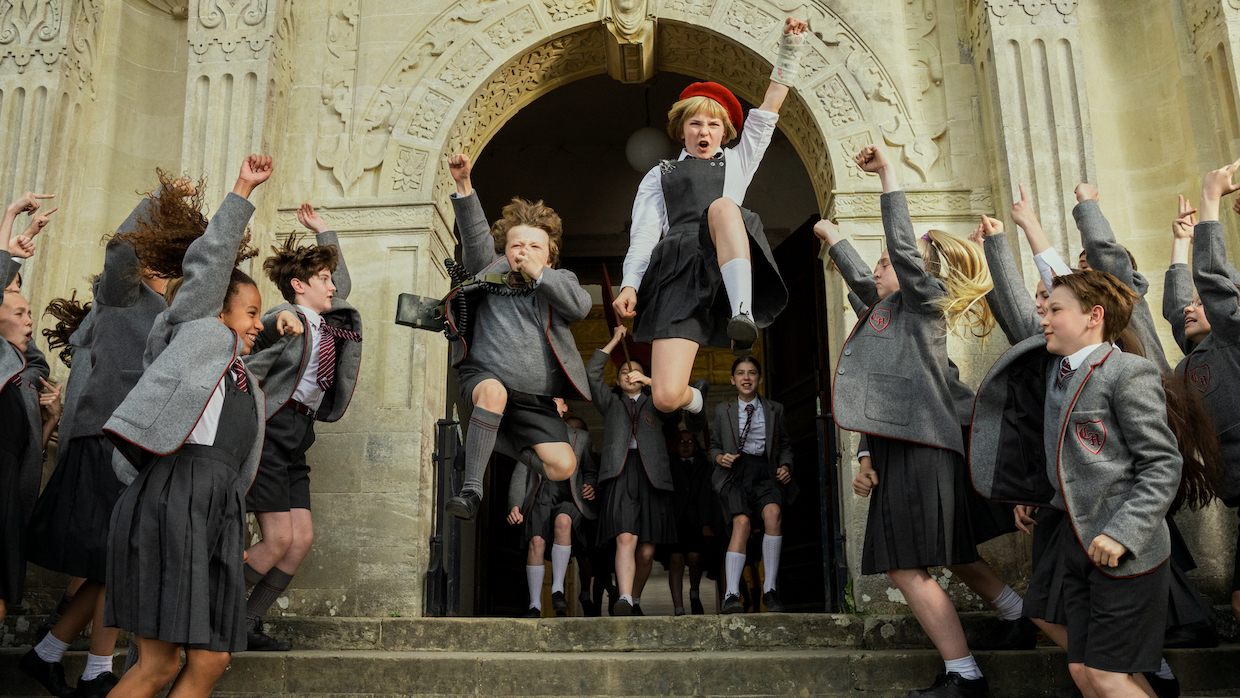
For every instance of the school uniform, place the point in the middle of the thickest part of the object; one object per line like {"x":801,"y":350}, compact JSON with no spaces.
{"x":21,"y":468}
{"x":893,"y":382}
{"x":69,"y":533}
{"x":523,"y":341}
{"x":193,"y":428}
{"x":293,"y":372}
{"x":36,"y":363}
{"x":672,"y":262}
{"x":1090,"y":439}
{"x":750,"y":484}
{"x":634,"y":474}
{"x":541,"y":500}
{"x":695,"y":505}
{"x":1104,"y":253}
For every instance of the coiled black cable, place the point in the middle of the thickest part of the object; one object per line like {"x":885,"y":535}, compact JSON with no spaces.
{"x":456,"y":302}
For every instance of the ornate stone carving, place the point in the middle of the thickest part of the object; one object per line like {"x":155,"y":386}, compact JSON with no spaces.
{"x":83,"y":49}
{"x":750,"y":20}
{"x":849,"y":147}
{"x":179,"y":9}
{"x":513,"y":28}
{"x":229,"y":24}
{"x":430,"y":115}
{"x":697,"y":53}
{"x":839,"y":104}
{"x":952,"y":204}
{"x":346,"y":219}
{"x":407,"y":174}
{"x":628,"y":16}
{"x":561,"y":10}
{"x":1003,"y":10}
{"x":701,"y":8}
{"x":465,"y":65}
{"x":30,"y":28}
{"x":630,"y":40}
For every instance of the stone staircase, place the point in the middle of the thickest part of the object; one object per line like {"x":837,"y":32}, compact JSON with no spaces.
{"x":741,"y":655}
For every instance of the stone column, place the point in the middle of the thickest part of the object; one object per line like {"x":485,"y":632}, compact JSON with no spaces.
{"x":1035,"y":114}
{"x":1214,"y":40}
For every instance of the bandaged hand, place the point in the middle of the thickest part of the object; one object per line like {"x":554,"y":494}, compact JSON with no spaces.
{"x":788,"y":61}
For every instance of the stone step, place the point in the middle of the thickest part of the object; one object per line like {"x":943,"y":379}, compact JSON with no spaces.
{"x":1040,"y":673}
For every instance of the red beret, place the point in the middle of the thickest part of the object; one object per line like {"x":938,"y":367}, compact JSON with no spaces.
{"x":720,"y":94}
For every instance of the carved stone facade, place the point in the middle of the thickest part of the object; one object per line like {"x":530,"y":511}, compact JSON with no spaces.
{"x":361,"y":102}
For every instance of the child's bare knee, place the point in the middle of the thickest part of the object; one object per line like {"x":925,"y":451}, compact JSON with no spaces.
{"x":491,"y":396}
{"x":668,"y":398}
{"x":563,"y":523}
{"x":723,"y":206}
{"x":740,"y":523}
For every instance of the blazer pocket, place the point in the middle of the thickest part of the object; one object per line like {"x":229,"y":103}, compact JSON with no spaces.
{"x":887,"y":398}
{"x":147,"y":400}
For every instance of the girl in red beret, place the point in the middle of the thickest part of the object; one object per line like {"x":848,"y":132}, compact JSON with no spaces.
{"x":690,"y":236}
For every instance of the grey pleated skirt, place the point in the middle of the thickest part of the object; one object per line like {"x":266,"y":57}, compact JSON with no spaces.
{"x":68,"y":531}
{"x":919,"y":512}
{"x":176,"y":552}
{"x":680,"y":295}
{"x":632,"y":505}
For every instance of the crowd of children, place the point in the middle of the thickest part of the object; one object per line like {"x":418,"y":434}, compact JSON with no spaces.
{"x":188,"y":405}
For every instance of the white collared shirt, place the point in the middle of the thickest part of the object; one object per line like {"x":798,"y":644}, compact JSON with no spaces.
{"x":1050,"y":265}
{"x":755,"y":441}
{"x":208,"y":425}
{"x":1078,"y":358}
{"x":650,"y":211}
{"x":307,"y":391}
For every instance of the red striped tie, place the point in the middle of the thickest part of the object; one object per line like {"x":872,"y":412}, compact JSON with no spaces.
{"x":1065,"y":374}
{"x":327,"y":352}
{"x":238,"y":371}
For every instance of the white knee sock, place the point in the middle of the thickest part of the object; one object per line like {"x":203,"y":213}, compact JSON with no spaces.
{"x":1009,"y":605}
{"x":1165,"y":672}
{"x":735,"y":563}
{"x":96,"y":665}
{"x":695,"y":405}
{"x":534,"y":577}
{"x":771,"y":547}
{"x":560,"y":555}
{"x":50,"y":649}
{"x":966,"y":667}
{"x":738,"y":280}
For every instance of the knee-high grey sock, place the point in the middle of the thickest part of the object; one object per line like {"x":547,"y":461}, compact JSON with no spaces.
{"x":265,"y":593}
{"x":252,"y":576}
{"x":483,"y":426}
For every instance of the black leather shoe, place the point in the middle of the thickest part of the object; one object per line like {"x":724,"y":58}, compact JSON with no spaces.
{"x":1165,"y":688}
{"x":1192,"y":635}
{"x":696,"y":422}
{"x":533,"y":612}
{"x":1019,"y":634}
{"x":695,"y":606}
{"x":464,"y":506}
{"x":622,"y":608}
{"x":558,"y":602}
{"x":953,"y":685}
{"x":97,"y":687}
{"x":50,"y":674}
{"x":773,"y":604}
{"x":258,"y":641}
{"x":732,"y":604}
{"x":637,"y":610}
{"x":743,"y":333}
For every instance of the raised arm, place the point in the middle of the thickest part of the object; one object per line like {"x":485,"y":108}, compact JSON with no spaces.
{"x":1178,"y":282}
{"x":478,"y":248}
{"x":1013,"y":307}
{"x":600,"y":394}
{"x":1045,"y":257}
{"x":325,"y":236}
{"x":787,"y":64}
{"x":1101,"y":248}
{"x":1219,"y":296}
{"x":854,"y":269}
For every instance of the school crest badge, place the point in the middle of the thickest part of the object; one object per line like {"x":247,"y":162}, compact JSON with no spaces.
{"x":1200,"y":377}
{"x":1092,"y":435}
{"x":880,"y":318}
{"x":648,"y":419}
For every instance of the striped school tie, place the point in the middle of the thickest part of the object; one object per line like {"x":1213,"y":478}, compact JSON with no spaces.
{"x":748,"y":424}
{"x":238,"y":371}
{"x":1065,"y":374}
{"x":327,"y":352}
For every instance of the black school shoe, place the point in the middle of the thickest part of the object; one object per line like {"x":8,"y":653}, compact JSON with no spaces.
{"x":732,"y":604}
{"x":1019,"y":634}
{"x":637,"y":610}
{"x":51,"y":675}
{"x":258,"y":641}
{"x":743,"y":333}
{"x":695,"y":422}
{"x":533,"y":612}
{"x":97,"y":687}
{"x":773,"y":604}
{"x":1193,"y":635}
{"x":695,"y":606}
{"x":463,"y":506}
{"x":622,"y":608}
{"x":559,"y":603}
{"x":1165,"y":688}
{"x":953,"y":685}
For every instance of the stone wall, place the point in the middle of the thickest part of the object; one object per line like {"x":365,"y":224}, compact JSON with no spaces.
{"x":361,"y":100}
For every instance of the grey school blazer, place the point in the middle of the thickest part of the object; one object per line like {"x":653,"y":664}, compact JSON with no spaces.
{"x":36,"y":363}
{"x":187,"y":353}
{"x":525,"y":482}
{"x":559,"y":295}
{"x":723,"y":436}
{"x":1116,"y":459}
{"x":893,"y":377}
{"x":864,"y":293}
{"x":124,"y":310}
{"x":1178,"y":293}
{"x":1213,"y":367}
{"x":79,"y":346}
{"x":1011,"y":304}
{"x":1104,"y":253}
{"x":279,"y":361}
{"x":13,"y":363}
{"x":651,"y":445}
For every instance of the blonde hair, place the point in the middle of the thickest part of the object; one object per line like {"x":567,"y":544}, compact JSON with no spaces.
{"x":699,"y":104}
{"x":961,"y":266}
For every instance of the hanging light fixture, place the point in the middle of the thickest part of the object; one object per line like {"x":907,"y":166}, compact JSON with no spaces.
{"x":648,"y":145}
